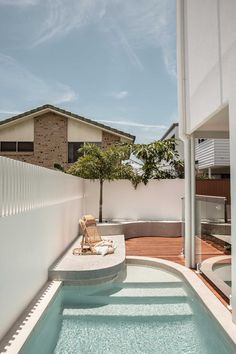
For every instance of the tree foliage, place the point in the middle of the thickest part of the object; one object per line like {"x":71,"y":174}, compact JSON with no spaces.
{"x":103,"y":165}
{"x":97,"y":163}
{"x":160,"y":160}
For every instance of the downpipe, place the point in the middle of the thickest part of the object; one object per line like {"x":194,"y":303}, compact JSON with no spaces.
{"x":188,"y":140}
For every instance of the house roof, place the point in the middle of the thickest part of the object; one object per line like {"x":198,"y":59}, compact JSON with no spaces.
{"x":48,"y":107}
{"x":169,"y":130}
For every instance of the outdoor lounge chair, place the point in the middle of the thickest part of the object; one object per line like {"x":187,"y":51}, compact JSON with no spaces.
{"x":92,"y":242}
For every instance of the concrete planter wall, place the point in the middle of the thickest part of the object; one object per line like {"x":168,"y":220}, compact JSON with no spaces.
{"x":142,"y":228}
{"x":159,"y":200}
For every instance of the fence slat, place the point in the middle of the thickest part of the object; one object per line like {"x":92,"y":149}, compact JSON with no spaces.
{"x":24,"y":187}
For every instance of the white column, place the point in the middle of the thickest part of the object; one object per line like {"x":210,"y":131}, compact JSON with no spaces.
{"x":189,"y":159}
{"x":193,"y":202}
{"x":187,"y":171}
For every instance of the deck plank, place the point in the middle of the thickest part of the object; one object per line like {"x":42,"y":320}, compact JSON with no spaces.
{"x":169,"y":248}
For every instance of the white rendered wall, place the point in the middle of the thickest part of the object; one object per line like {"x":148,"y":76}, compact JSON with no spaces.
{"x":159,"y":200}
{"x":210,"y":73}
{"x":20,"y":131}
{"x":210,"y":41}
{"x":227,"y":11}
{"x":79,"y":131}
{"x":202,"y":57}
{"x":40,"y":209}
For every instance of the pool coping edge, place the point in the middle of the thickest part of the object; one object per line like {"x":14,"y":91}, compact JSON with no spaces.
{"x":29,"y":319}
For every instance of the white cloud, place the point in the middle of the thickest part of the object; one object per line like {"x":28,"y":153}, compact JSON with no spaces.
{"x":63,"y":18}
{"x":134,"y":124}
{"x":9,"y":113}
{"x":26,"y":87}
{"x":119,"y":95}
{"x":145,"y":133}
{"x":19,"y":2}
{"x":130,"y":25}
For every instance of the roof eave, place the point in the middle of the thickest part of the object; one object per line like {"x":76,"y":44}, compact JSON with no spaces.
{"x":49,"y":108}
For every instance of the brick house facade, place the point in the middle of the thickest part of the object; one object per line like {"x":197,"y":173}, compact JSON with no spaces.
{"x":51,"y":135}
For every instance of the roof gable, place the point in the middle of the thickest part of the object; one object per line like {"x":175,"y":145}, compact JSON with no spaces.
{"x":47,"y":107}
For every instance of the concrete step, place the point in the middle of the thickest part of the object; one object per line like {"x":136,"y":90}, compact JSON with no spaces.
{"x":224,"y":238}
{"x":150,"y":310}
{"x":160,"y":284}
{"x":97,"y":300}
{"x":147,"y":292}
{"x":141,"y":228}
{"x":215,"y":228}
{"x":110,"y":229}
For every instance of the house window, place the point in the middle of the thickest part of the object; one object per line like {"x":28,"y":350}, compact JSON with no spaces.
{"x":14,"y":146}
{"x":8,"y":146}
{"x":25,"y":146}
{"x":201,"y":141}
{"x":73,"y":148}
{"x":73,"y":153}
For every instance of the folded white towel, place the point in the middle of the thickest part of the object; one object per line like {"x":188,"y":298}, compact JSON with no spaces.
{"x":106,"y":243}
{"x":102,"y":249}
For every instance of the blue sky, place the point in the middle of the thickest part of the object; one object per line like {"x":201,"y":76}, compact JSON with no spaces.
{"x":113,"y":61}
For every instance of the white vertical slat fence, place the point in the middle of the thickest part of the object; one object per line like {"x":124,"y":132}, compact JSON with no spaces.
{"x":24,"y":187}
{"x":39,"y":218}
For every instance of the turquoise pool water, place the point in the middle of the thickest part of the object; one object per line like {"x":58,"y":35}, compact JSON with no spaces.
{"x":144,"y":311}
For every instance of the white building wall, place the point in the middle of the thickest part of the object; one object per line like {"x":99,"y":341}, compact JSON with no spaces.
{"x":23,"y":131}
{"x":158,"y":200}
{"x":204,"y":153}
{"x":227,"y":32}
{"x":202,"y":59}
{"x":212,"y":153}
{"x":39,"y":215}
{"x":210,"y":73}
{"x":79,"y":131}
{"x":222,"y":154}
{"x":210,"y":48}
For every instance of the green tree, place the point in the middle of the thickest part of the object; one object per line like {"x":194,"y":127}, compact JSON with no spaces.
{"x":104,"y":165}
{"x":160,"y":160}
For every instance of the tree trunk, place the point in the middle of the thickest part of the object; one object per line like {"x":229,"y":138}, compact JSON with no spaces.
{"x":100,"y":200}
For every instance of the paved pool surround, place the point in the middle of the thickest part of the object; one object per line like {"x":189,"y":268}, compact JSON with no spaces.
{"x":86,"y":269}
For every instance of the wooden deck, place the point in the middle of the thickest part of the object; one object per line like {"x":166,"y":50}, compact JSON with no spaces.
{"x":170,"y":248}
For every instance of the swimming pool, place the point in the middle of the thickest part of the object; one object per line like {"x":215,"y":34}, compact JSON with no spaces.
{"x":218,"y":270}
{"x":144,"y":310}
